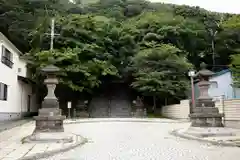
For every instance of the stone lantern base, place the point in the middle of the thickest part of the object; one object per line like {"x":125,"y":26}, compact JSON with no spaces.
{"x":206,"y":117}
{"x":49,"y":128}
{"x":206,"y":114}
{"x":49,"y":137}
{"x":49,"y":120}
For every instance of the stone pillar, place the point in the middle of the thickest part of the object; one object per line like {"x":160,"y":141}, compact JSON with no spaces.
{"x":49,"y":117}
{"x":139,"y":108}
{"x":205,"y":114}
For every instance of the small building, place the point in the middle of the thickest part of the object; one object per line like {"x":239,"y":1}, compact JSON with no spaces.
{"x":17,"y":95}
{"x":222,"y":85}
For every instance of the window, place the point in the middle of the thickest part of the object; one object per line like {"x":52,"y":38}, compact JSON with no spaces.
{"x":19,"y":70}
{"x":213,"y":84}
{"x":7,"y":57}
{"x":3,"y":91}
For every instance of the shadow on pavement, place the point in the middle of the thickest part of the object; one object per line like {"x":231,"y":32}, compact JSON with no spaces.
{"x":5,"y":125}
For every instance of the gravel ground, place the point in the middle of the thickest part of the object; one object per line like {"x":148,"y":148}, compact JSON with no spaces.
{"x":140,"y":141}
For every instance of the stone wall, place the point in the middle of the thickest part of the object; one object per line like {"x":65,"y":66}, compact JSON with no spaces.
{"x":176,"y":111}
{"x":231,"y":110}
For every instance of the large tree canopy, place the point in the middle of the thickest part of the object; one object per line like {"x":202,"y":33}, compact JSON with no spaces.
{"x":150,"y":44}
{"x":78,"y":73}
{"x":161,"y":71}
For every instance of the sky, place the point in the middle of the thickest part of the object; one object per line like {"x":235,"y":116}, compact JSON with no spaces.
{"x":229,"y":6}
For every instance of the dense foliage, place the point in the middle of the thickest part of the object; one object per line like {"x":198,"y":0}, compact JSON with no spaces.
{"x":150,"y":45}
{"x":160,"y":70}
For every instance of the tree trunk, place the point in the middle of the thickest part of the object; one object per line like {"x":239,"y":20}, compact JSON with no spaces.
{"x":154,"y":104}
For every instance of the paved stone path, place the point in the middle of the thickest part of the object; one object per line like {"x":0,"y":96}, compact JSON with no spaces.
{"x":4,"y":125}
{"x":12,"y":148}
{"x":140,"y":141}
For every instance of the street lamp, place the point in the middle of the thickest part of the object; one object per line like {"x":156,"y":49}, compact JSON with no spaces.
{"x":191,"y":74}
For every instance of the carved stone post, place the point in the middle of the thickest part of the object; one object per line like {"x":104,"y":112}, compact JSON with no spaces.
{"x":49,"y":118}
{"x":205,"y":114}
{"x":49,"y":122}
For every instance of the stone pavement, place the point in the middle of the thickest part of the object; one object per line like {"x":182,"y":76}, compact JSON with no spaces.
{"x":216,"y":135}
{"x":120,"y":139}
{"x":12,"y":146}
{"x":4,"y":125}
{"x":114,"y":139}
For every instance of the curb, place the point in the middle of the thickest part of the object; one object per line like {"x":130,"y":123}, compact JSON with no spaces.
{"x":122,"y":120}
{"x":56,"y":151}
{"x":190,"y":137}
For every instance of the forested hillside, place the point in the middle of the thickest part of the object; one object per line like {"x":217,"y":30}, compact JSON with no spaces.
{"x":149,"y":45}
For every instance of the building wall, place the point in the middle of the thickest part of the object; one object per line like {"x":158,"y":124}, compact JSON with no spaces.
{"x":24,"y":91}
{"x":22,"y":68}
{"x":15,"y":106}
{"x":224,"y":87}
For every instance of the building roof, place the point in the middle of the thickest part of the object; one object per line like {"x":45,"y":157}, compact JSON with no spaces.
{"x":221,"y":72}
{"x":6,"y":40}
{"x":216,"y":74}
{"x":205,"y":72}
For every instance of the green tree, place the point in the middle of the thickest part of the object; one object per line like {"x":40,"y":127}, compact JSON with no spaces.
{"x":231,"y":44}
{"x":89,"y":48}
{"x":228,"y":40}
{"x":77,"y":73}
{"x":20,"y":17}
{"x":161,"y":71}
{"x":184,"y":33}
{"x":105,"y":37}
{"x":235,"y":69}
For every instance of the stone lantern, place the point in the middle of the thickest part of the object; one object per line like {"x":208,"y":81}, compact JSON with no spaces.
{"x":205,"y":114}
{"x":49,"y":118}
{"x":49,"y":122}
{"x":140,"y":111}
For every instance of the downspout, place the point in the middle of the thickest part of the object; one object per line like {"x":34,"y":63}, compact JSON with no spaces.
{"x":21,"y":99}
{"x":234,"y":93}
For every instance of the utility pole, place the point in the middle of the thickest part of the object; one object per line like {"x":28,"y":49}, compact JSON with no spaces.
{"x":192,"y":74}
{"x":52,"y":34}
{"x":213,"y":33}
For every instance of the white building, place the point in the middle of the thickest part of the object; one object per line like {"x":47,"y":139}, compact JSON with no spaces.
{"x":221,"y":86}
{"x":17,"y":96}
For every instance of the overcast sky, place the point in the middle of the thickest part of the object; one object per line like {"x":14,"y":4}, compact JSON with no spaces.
{"x":230,"y":6}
